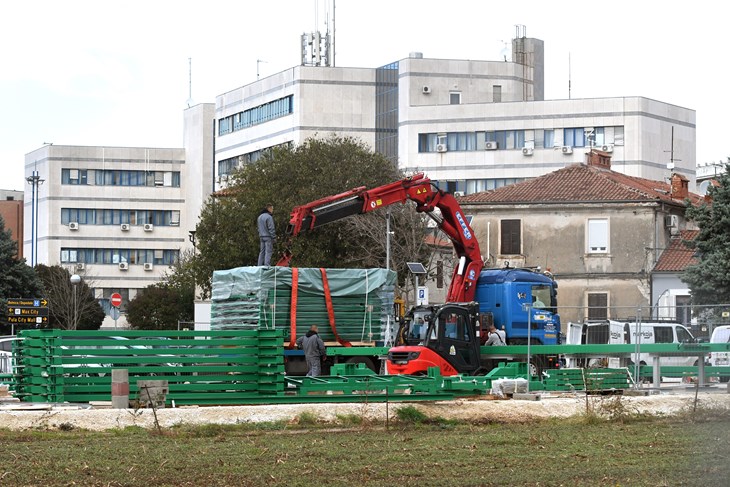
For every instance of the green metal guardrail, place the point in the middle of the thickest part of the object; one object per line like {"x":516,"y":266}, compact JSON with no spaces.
{"x":247,"y":367}
{"x":226,"y":367}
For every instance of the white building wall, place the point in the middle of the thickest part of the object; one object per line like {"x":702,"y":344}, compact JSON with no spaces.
{"x":53,"y":196}
{"x":647,"y":126}
{"x":325,"y":101}
{"x":197,"y":176}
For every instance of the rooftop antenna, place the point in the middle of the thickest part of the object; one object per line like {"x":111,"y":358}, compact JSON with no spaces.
{"x":569,"y":76}
{"x":672,"y":160}
{"x":190,"y":82}
{"x":333,"y":33}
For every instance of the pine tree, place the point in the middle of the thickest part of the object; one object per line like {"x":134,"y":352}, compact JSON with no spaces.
{"x":709,"y":279}
{"x":17,"y":279}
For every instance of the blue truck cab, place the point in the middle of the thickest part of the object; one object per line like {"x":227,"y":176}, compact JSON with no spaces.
{"x":503,"y":296}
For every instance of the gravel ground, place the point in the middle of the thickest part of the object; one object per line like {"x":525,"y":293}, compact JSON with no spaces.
{"x":482,"y":409}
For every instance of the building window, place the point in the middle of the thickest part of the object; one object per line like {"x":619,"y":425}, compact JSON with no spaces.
{"x":455,"y":98}
{"x":117,"y":256}
{"x":497,"y":93}
{"x":683,"y":309}
{"x":507,"y":139}
{"x":597,"y":236}
{"x":511,"y":241}
{"x":254,"y":116}
{"x":597,"y":306}
{"x":74,"y":176}
{"x":618,"y":135}
{"x":574,"y":137}
{"x":91,"y":216}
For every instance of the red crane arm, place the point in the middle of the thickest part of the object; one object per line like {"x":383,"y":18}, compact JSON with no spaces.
{"x":416,"y":188}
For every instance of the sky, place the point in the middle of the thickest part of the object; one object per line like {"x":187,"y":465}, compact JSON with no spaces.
{"x":102,"y":73}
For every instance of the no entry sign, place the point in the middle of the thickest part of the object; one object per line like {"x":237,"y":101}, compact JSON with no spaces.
{"x":116,"y":300}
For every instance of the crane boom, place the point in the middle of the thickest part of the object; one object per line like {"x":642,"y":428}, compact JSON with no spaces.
{"x":418,"y":189}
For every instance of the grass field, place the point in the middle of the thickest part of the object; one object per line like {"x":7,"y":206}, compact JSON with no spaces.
{"x":414,"y":450}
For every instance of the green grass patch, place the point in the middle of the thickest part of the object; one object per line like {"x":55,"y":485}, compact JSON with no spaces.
{"x":419,"y":451}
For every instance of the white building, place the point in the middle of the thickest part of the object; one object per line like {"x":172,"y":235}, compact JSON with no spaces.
{"x":118,"y":216}
{"x":470,"y":125}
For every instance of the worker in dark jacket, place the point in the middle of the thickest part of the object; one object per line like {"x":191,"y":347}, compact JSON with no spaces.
{"x":267,"y":234}
{"x":314,"y":351}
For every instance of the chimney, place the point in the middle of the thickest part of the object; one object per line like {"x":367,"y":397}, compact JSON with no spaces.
{"x":598,"y":158}
{"x":680,"y":186}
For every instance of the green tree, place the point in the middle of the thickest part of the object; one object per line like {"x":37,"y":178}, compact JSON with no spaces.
{"x":66,"y":311}
{"x":17,"y":279}
{"x":709,"y":279}
{"x":287,"y":177}
{"x":160,"y":307}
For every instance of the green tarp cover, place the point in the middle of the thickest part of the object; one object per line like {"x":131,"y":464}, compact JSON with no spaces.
{"x":260,"y":297}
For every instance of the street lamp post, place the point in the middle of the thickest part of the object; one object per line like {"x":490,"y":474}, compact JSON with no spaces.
{"x":35,"y":181}
{"x":75,"y":280}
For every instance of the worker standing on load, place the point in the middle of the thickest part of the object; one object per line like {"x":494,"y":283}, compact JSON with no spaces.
{"x":267,"y":234}
{"x":314,"y":351}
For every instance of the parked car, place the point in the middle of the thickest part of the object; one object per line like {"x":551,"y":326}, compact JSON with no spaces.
{"x":721,"y":334}
{"x":6,"y":354}
{"x":625,"y":332}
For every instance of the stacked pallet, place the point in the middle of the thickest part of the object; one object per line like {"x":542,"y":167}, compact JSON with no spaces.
{"x":261,"y":298}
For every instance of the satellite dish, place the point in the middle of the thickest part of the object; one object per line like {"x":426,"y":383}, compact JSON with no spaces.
{"x":704,"y":187}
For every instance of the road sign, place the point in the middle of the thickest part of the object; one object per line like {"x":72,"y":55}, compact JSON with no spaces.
{"x":422,"y":295}
{"x":29,"y":302}
{"x":28,"y":320}
{"x":116,"y":300}
{"x":23,"y":311}
{"x":27,"y":311}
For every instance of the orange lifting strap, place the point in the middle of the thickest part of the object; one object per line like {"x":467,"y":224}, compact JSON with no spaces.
{"x":293,"y":307}
{"x":331,"y":309}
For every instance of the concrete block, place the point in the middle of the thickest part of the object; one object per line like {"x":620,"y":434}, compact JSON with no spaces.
{"x":526,"y":396}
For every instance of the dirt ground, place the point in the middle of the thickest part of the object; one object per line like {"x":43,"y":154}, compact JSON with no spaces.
{"x":479,"y":409}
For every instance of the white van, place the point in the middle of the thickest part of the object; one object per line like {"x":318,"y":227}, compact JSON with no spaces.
{"x":721,"y":334}
{"x":6,"y":354}
{"x":625,"y":332}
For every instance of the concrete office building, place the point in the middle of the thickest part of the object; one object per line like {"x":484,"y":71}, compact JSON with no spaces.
{"x":470,"y":125}
{"x":119,"y":216}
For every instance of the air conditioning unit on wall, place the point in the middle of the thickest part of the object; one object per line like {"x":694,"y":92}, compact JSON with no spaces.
{"x":73,"y":226}
{"x":148,"y":227}
{"x":426,"y":90}
{"x":458,"y":193}
{"x":124,"y":227}
{"x":491,"y":146}
{"x":527,"y":151}
{"x":441,"y":148}
{"x":567,"y":149}
{"x":607,"y":148}
{"x":123,"y":266}
{"x":671,"y":221}
{"x":80,"y":266}
{"x":148,"y":266}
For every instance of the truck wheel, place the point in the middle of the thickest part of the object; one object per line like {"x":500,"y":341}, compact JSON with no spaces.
{"x":537,"y":365}
{"x":362,"y":360}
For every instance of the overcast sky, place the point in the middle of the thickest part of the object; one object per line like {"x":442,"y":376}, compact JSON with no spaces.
{"x":116,"y":73}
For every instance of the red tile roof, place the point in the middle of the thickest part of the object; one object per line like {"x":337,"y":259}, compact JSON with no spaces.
{"x":679,"y":255}
{"x":581,"y":183}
